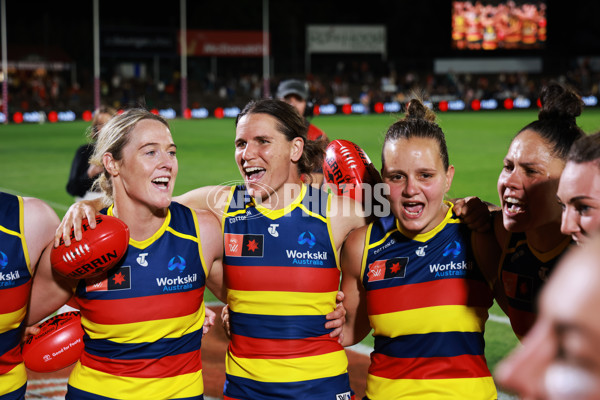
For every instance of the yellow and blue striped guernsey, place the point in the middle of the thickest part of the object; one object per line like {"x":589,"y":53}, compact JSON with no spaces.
{"x":143,"y":320}
{"x":15,"y":285}
{"x":427,"y":303}
{"x":282,"y":276}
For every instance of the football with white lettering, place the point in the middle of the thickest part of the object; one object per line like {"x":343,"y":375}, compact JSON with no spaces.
{"x":349,"y":168}
{"x":99,"y":249}
{"x":58,"y":344}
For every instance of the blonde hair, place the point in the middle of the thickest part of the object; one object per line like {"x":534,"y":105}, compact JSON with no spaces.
{"x":112,"y":138}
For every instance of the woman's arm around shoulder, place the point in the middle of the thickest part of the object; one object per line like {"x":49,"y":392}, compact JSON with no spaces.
{"x":211,"y":239}
{"x":357,"y":324}
{"x":346,"y":215}
{"x":211,"y":198}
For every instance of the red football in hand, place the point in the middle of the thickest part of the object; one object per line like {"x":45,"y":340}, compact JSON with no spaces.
{"x":58,"y":345}
{"x":348,"y":167}
{"x":98,"y":250}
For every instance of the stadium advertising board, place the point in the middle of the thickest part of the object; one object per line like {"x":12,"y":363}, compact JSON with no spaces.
{"x":346,"y":39}
{"x":225,"y":43}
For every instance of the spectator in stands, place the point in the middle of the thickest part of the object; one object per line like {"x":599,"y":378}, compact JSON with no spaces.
{"x":295,"y":92}
{"x":82,"y":173}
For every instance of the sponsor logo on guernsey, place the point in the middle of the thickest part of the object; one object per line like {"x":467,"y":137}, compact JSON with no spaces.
{"x":178,"y":283}
{"x":176,"y":262}
{"x":240,"y":217}
{"x":452,"y":249}
{"x":3,"y":260}
{"x":307,"y":238}
{"x":343,"y":396}
{"x":307,"y":257}
{"x":141,"y":259}
{"x":9,"y":279}
{"x":273,"y":230}
{"x":120,"y":279}
{"x":387,"y":269}
{"x":246,"y":245}
{"x":385,"y":246}
{"x":453,"y":268}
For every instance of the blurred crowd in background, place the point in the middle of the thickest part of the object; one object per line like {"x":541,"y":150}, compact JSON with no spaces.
{"x":348,"y":83}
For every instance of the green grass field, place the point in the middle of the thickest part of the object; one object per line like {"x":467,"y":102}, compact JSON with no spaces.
{"x":36,"y":159}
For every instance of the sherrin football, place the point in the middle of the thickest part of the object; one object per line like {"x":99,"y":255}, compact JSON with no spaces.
{"x":58,"y":344}
{"x":349,"y":168}
{"x":98,"y":250}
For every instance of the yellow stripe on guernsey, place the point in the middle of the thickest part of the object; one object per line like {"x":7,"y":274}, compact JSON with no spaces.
{"x":122,"y":387}
{"x":430,"y":389}
{"x":13,"y":379}
{"x":453,"y":318}
{"x":146,"y":331}
{"x":12,"y":320}
{"x":281,"y":303}
{"x":287,"y":369}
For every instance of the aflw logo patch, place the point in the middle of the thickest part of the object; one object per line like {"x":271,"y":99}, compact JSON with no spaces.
{"x":343,"y":396}
{"x":249,"y":245}
{"x":387,"y":269}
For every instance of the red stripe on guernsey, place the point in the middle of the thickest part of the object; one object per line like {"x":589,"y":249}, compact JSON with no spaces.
{"x":164,"y":367}
{"x":247,"y":347}
{"x":137,"y":309}
{"x":15,"y":298}
{"x":10,"y":359}
{"x":520,"y":320}
{"x":428,"y":294}
{"x":465,"y":366}
{"x":282,"y":279}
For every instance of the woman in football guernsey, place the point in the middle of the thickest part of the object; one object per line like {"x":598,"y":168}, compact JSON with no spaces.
{"x":579,"y":189}
{"x":281,"y":240}
{"x":27,"y":225}
{"x":143,"y":320}
{"x":528,"y":227}
{"x":414,"y":277}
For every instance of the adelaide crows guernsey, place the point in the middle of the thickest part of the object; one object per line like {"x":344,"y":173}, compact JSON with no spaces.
{"x":523,"y":272}
{"x":143,"y":319}
{"x":15,"y":285}
{"x":427,"y":303}
{"x":282,"y":276}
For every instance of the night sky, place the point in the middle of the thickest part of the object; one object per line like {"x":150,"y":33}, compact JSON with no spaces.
{"x":417,"y":30}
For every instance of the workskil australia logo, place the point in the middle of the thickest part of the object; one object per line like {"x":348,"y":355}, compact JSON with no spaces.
{"x":452,"y":268}
{"x":179,"y":282}
{"x":306,"y":257}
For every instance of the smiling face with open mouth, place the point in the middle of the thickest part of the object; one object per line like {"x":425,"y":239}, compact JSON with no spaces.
{"x":265,"y":157}
{"x":528,"y":183}
{"x":418,"y":182}
{"x":148,"y":167}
